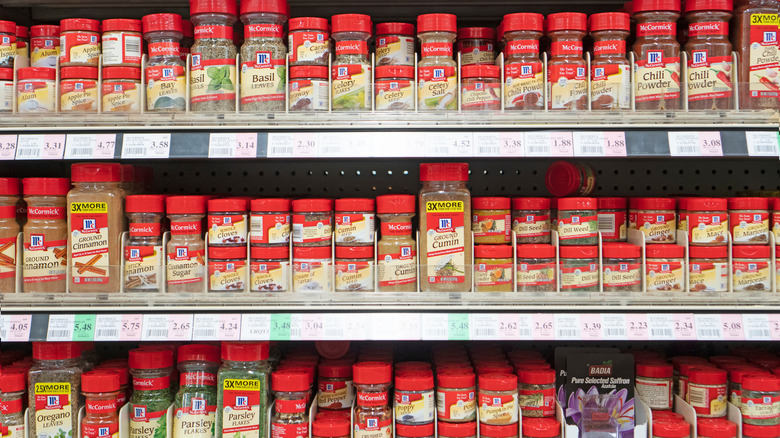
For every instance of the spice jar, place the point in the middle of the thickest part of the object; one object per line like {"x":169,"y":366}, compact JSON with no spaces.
{"x":498,"y":399}
{"x":531,"y":220}
{"x":7,"y":43}
{"x":336,"y":389}
{"x":657,"y":72}
{"x":715,"y":428}
{"x":414,"y":401}
{"x":263,"y":56}
{"x":477,"y":45}
{"x":481,"y":88}
{"x":757,"y":49}
{"x":682,"y":214}
{"x":308,"y":41}
{"x":622,"y":267}
{"x":567,"y":77}
{"x":9,"y":234}
{"x":22,"y":41}
{"x":35,"y":90}
{"x":493,"y":268}
{"x":45,"y":235}
{"x":523,"y":69}
{"x":143,"y":249}
{"x":270,"y":269}
{"x":354,"y":269}
{"x":312,"y":269}
{"x":656,"y":219}
{"x":667,"y":428}
{"x":270,"y":222}
{"x":578,"y":221}
{"x":536,"y":268}
{"x":6,"y":90}
{"x":78,"y":89}
{"x":491,"y":220}
{"x":736,"y":374}
{"x":536,"y":395}
{"x":122,"y":42}
{"x":373,"y":414}
{"x":13,"y":385}
{"x":121,"y":89}
{"x":709,"y":269}
{"x":579,"y":268}
{"x":419,"y":431}
{"x":242,"y":384}
{"x":437,"y":75}
{"x":291,"y":390}
{"x":186,"y":248}
{"x":312,"y":222}
{"x":330,"y":427}
{"x":151,"y":369}
{"x":397,"y":250}
{"x":195,"y":402}
{"x":498,"y":431}
{"x":753,"y":431}
{"x":710,"y":64}
{"x":213,"y":71}
{"x":457,"y":430}
{"x":227,"y":222}
{"x":664,"y":266}
{"x":100,"y":389}
{"x":45,"y":46}
{"x":395,"y":45}
{"x":79,"y":42}
{"x":760,"y":399}
{"x":355,"y":222}
{"x":541,"y":428}
{"x":309,"y":88}
{"x":445,"y":207}
{"x":750,"y":269}
{"x":125,"y":389}
{"x":165,"y":71}
{"x":394,"y":88}
{"x":610,"y":71}
{"x":707,"y":392}
{"x":708,"y":222}
{"x":569,"y":179}
{"x":654,"y":385}
{"x":684,"y":376}
{"x":227,"y":269}
{"x":351,"y":70}
{"x":749,"y":221}
{"x":456,"y":400}
{"x":613,"y":221}
{"x":54,"y":376}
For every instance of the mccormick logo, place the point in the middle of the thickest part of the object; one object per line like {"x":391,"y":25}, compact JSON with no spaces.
{"x":342,"y":72}
{"x":757,"y":218}
{"x":665,"y":268}
{"x":445,"y":224}
{"x":438,"y":73}
{"x":660,"y":218}
{"x":406,"y":251}
{"x":28,"y":87}
{"x":103,"y":431}
{"x":328,"y":387}
{"x":530,"y":218}
{"x":624,"y":267}
{"x":372,"y":423}
{"x":167,"y":73}
{"x":346,"y":220}
{"x":37,"y":242}
{"x":52,"y":401}
{"x":230,"y":266}
{"x":526,"y":70}
{"x":198,"y":405}
{"x":496,"y":401}
{"x":88,"y":226}
{"x":716,"y":219}
{"x":393,"y":85}
{"x":93,"y":39}
{"x":770,"y":37}
{"x":382,"y":41}
{"x":353,"y":267}
{"x":700,"y":57}
{"x":48,"y":43}
{"x":655,"y":58}
{"x":79,"y":86}
{"x":139,"y":411}
{"x":196,"y":60}
{"x":580,"y":71}
{"x":604,"y":369}
{"x":599,"y":72}
{"x":263,"y":59}
{"x":6,"y":40}
{"x":182,"y":252}
{"x":575,"y":220}
{"x":118,"y":88}
{"x":478,"y":86}
{"x":242,"y":401}
{"x":295,"y":86}
{"x":135,"y":254}
{"x":524,"y":267}
{"x":752,"y":266}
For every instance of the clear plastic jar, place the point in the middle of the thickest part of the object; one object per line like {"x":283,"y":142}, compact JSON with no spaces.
{"x":270,"y":269}
{"x":613,"y":220}
{"x":523,"y":69}
{"x":394,"y":88}
{"x":536,"y":268}
{"x":665,"y":268}
{"x":395,"y":44}
{"x":498,"y":431}
{"x":751,"y":269}
{"x":671,"y":428}
{"x":491,"y":220}
{"x":758,"y":68}
{"x":312,"y":222}
{"x":684,"y":375}
{"x":291,"y":390}
{"x":121,"y":89}
{"x":227,"y":222}
{"x":579,"y":268}
{"x":122,"y":43}
{"x":759,"y":400}
{"x":270,"y":222}
{"x":23,"y":41}
{"x":312,"y":269}
{"x":493,"y":271}
{"x":457,"y":430}
{"x":710,"y":63}
{"x":396,"y":249}
{"x":481,"y":88}
{"x":44,"y":45}
{"x":79,"y":89}
{"x":708,"y":222}
{"x":610,"y":71}
{"x":245,"y":367}
{"x":477,"y":46}
{"x":186,"y":249}
{"x":125,"y":389}
{"x":456,"y":397}
{"x":151,"y":369}
{"x":213,"y":54}
{"x":569,"y":179}
{"x":56,"y":371}
{"x":13,"y":385}
{"x":621,"y":267}
{"x":536,"y":395}
{"x":708,"y":392}
{"x":100,"y":389}
{"x":336,"y":389}
{"x":715,"y":428}
{"x":263,"y":56}
{"x":165,"y":71}
{"x":351,"y":69}
{"x":578,"y":222}
{"x":355,"y":222}
{"x":308,"y":41}
{"x":309,"y":88}
{"x":354,"y":269}
{"x":437,"y":75}
{"x":749,"y":221}
{"x":656,"y":218}
{"x":9,"y":232}
{"x":7,"y":43}
{"x":531,"y":220}
{"x":196,"y":400}
{"x":414,"y":400}
{"x":709,"y":269}
{"x":45,"y":234}
{"x":654,"y":385}
{"x":497,"y":399}
{"x":372,"y":409}
{"x":79,"y":42}
{"x":143,"y":249}
{"x":657,"y":70}
{"x":567,"y":76}
{"x":541,"y":428}
{"x":227,"y":269}
{"x":35,"y":90}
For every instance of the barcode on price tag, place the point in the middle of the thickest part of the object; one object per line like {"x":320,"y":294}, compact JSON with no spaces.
{"x":147,"y":146}
{"x":483,"y":327}
{"x":762,"y":143}
{"x":549,"y":144}
{"x":155,"y":328}
{"x":255,"y":327}
{"x":7,"y":147}
{"x":434,"y":327}
{"x":614,"y":326}
{"x":107,"y":327}
{"x":60,"y":328}
{"x":708,"y":327}
{"x":40,"y":147}
{"x":205,"y":327}
{"x":567,"y":326}
{"x":692,"y":144}
{"x":232,"y":145}
{"x":90,"y":146}
{"x":453,"y":144}
{"x":660,"y":326}
{"x":344,"y":144}
{"x":756,"y":327}
{"x":588,"y":144}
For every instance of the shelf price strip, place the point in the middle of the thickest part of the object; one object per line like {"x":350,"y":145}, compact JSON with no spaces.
{"x":216,"y":327}
{"x":7,"y":147}
{"x":40,"y":147}
{"x":599,"y":144}
{"x":90,"y":146}
{"x":146,"y":146}
{"x":762,"y":143}
{"x":695,"y":144}
{"x":15,"y":328}
{"x":232,"y":145}
{"x":176,"y":327}
{"x":118,"y":327}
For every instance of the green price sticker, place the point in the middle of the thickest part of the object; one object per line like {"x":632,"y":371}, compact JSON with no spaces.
{"x":458,"y":327}
{"x":280,"y":327}
{"x":84,"y":328}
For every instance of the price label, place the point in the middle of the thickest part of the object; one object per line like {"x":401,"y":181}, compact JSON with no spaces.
{"x":90,"y":146}
{"x":458,"y":327}
{"x":84,"y":328}
{"x":131,"y":328}
{"x":395,"y":327}
{"x":483,"y":327}
{"x":774,"y":326}
{"x":146,"y":146}
{"x":591,"y":326}
{"x":732,"y":327}
{"x":280,"y":327}
{"x":229,"y":328}
{"x":660,"y":326}
{"x":40,"y":147}
{"x":684,"y":327}
{"x":292,"y":145}
{"x":567,"y":326}
{"x":232,"y":145}
{"x":498,"y":144}
{"x":694,"y":144}
{"x":60,"y":328}
{"x":615,"y":144}
{"x":543,"y":327}
{"x":513,"y":327}
{"x":7,"y":147}
{"x":107,"y":328}
{"x":588,"y":144}
{"x":16,"y":328}
{"x":450,"y":144}
{"x":613,"y":326}
{"x":343,"y":144}
{"x":180,"y":327}
{"x":434,"y":326}
{"x":637,"y":328}
{"x":549,"y":144}
{"x":155,"y":328}
{"x":708,"y":327}
{"x":255,"y":327}
{"x":310,"y":326}
{"x":762,"y":143}
{"x":216,"y":327}
{"x":756,"y":327}
{"x":353,"y":326}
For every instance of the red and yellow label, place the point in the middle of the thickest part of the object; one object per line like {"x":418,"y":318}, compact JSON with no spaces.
{"x":657,"y":227}
{"x":80,"y":48}
{"x":456,"y":404}
{"x":709,"y":77}
{"x":143,"y":267}
{"x":488,"y":225}
{"x":580,"y":277}
{"x":523,"y":84}
{"x":354,"y":228}
{"x":437,"y":88}
{"x":749,"y":228}
{"x":53,"y":408}
{"x":708,"y":228}
{"x":567,"y":85}
{"x":309,"y":276}
{"x":763,"y":57}
{"x":227,"y":230}
{"x":78,"y":95}
{"x":263,"y":79}
{"x":226,"y":276}
{"x":241,"y":415}
{"x":335,"y":395}
{"x":445,"y":245}
{"x":751,"y":276}
{"x":498,"y":409}
{"x":89,"y":245}
{"x":351,"y":86}
{"x":354,"y":276}
{"x":665,"y":276}
{"x":269,"y":276}
{"x":708,"y":277}
{"x":534,"y":276}
{"x":185,"y":266}
{"x":493,"y":275}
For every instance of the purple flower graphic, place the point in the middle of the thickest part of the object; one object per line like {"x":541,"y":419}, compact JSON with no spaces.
{"x":620,"y":410}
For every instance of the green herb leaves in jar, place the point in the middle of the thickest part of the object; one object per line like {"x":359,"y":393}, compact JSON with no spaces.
{"x":351,"y":73}
{"x":578,"y":222}
{"x":213,"y":71}
{"x":165,"y":72}
{"x":263,"y":72}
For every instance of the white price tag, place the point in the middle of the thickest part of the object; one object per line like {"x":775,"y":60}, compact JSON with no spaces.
{"x":345,"y":327}
{"x":525,"y":326}
{"x":395,"y":327}
{"x":15,"y":328}
{"x":588,"y":144}
{"x":60,"y":328}
{"x":205,"y":327}
{"x":280,"y":145}
{"x":762,"y":143}
{"x":255,"y":327}
{"x":107,"y":328}
{"x":90,"y":146}
{"x":232,"y":145}
{"x":7,"y":147}
{"x":549,"y":144}
{"x":708,"y":327}
{"x":483,"y":327}
{"x":309,"y":327}
{"x":661,"y":326}
{"x":147,"y":146}
{"x":154,"y":328}
{"x":40,"y":147}
{"x":567,"y":326}
{"x":614,"y":326}
{"x":498,"y":144}
{"x":694,"y":144}
{"x":434,"y":327}
{"x":450,"y":144}
{"x":756,"y":327}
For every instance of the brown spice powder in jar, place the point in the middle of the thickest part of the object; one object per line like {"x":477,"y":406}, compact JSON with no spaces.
{"x":493,"y":271}
{"x":709,"y":269}
{"x":749,"y":221}
{"x":397,"y":250}
{"x":121,"y":89}
{"x":657,"y":72}
{"x":477,"y":46}
{"x":665,"y":268}
{"x":708,"y":222}
{"x":531,"y":220}
{"x":45,"y":235}
{"x":79,"y":89}
{"x":186,"y":268}
{"x":481,"y":88}
{"x":497,"y":399}
{"x":750,"y":269}
{"x":312,"y":222}
{"x":355,"y":222}
{"x":621,"y":267}
{"x":354,"y":269}
{"x":758,"y":67}
{"x":710,"y":65}
{"x":656,"y":218}
{"x":536,"y":268}
{"x":9,"y":232}
{"x":567,"y":76}
{"x":143,"y":249}
{"x":610,"y":71}
{"x":523,"y":69}
{"x":491,"y":220}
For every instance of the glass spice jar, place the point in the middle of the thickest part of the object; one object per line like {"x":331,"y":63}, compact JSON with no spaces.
{"x":457,"y":430}
{"x":613,"y":220}
{"x":437,"y":75}
{"x":707,"y":392}
{"x":227,"y":222}
{"x":55,"y":372}
{"x":13,"y":385}
{"x":477,"y":45}
{"x":195,"y":403}
{"x":760,"y":400}
{"x":79,"y":42}
{"x":355,"y":222}
{"x":121,"y":89}
{"x":531,"y":220}
{"x":665,"y":268}
{"x":270,"y":222}
{"x":536,"y":268}
{"x":749,"y":221}
{"x":497,"y":399}
{"x":523,"y":69}
{"x":395,"y":45}
{"x":654,"y":385}
{"x":578,"y":221}
{"x":308,"y":41}
{"x":710,"y":63}
{"x":481,"y":88}
{"x":36,"y":90}
{"x":143,"y":249}
{"x":100,"y":389}
{"x":753,"y":25}
{"x":621,"y":267}
{"x":351,"y":69}
{"x":491,"y":220}
{"x":684,"y":375}
{"x":185,"y":259}
{"x":493,"y":268}
{"x":709,"y":269}
{"x":736,"y":374}
{"x":394,"y":88}
{"x":418,"y":431}
{"x":657,"y":70}
{"x":227,"y":269}
{"x":656,"y":218}
{"x":312,"y":222}
{"x":372,"y":412}
{"x":354,"y":269}
{"x":122,"y":42}
{"x":309,"y":88}
{"x":715,"y":428}
{"x":45,"y":239}
{"x":291,"y":390}
{"x":610,"y":71}
{"x":750,"y":270}
{"x":541,"y":428}
{"x":414,"y":401}
{"x":165,"y":70}
{"x":213,"y":76}
{"x":330,"y":427}
{"x":456,"y":400}
{"x":569,"y":179}
{"x":336,"y":388}
{"x":536,"y":393}
{"x":22,"y":41}
{"x":668,"y":428}
{"x":498,"y":431}
{"x":7,"y":43}
{"x":567,"y":76}
{"x":312,"y":269}
{"x":45,"y":45}
{"x":269,"y":269}
{"x":708,"y":222}
{"x":78,"y":89}
{"x":263,"y":56}
{"x":579,"y":271}
{"x":396,"y":249}
{"x":151,"y":369}
{"x":242,"y":385}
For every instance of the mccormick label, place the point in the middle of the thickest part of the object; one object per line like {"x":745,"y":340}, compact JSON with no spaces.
{"x":283,"y":430}
{"x":490,"y":275}
{"x":498,"y":409}
{"x":414,"y":407}
{"x":656,"y":393}
{"x":524,"y":84}
{"x":104,"y":430}
{"x":709,"y":277}
{"x":351,"y":86}
{"x":456,"y":405}
{"x":121,"y":97}
{"x":751,"y":276}
{"x":622,"y":275}
{"x":437,"y":88}
{"x":709,"y":401}
{"x":309,"y":48}
{"x":750,"y":228}
{"x":80,"y":48}
{"x":665,"y":276}
{"x":185,"y":266}
{"x":8,"y":257}
{"x":761,"y":408}
{"x":269,"y":276}
{"x":43,"y":260}
{"x":241,"y":416}
{"x":567,"y":85}
{"x":708,"y":228}
{"x":53,"y":409}
{"x":709,"y":77}
{"x":309,"y":95}
{"x":578,"y":227}
{"x":145,"y":423}
{"x":354,"y":228}
{"x":395,"y":50}
{"x":657,"y":76}
{"x":374,"y":427}
{"x":212,"y":80}
{"x":395,"y":269}
{"x":165,"y":86}
{"x":335,"y":395}
{"x":531,"y":225}
{"x":580,"y":277}
{"x":445,"y":245}
{"x":537,"y":402}
{"x":143,"y":266}
{"x":227,"y":276}
{"x":227,"y":230}
{"x":78,"y":95}
{"x":480,"y":95}
{"x":121,"y":48}
{"x":483,"y":54}
{"x":7,"y":48}
{"x":45,"y":52}
{"x":394,"y":95}
{"x":657,"y":227}
{"x":353,"y":276}
{"x":38,"y":96}
{"x":762,"y":56}
{"x":533,"y":276}
{"x":311,"y":231}
{"x":263,"y":79}
{"x":270,"y":229}
{"x":611,"y":84}
{"x":311,"y":276}
{"x":196,"y":418}
{"x":491,"y":225}
{"x":89,"y":242}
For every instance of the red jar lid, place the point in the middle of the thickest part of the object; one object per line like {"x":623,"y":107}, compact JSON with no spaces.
{"x":270,"y":252}
{"x":437,"y":23}
{"x":494,"y":431}
{"x":10,"y":186}
{"x":95,"y":172}
{"x":493,"y":251}
{"x":162,"y":22}
{"x":421,"y":431}
{"x":497,"y":382}
{"x":748,"y":203}
{"x":395,"y":71}
{"x":760,"y":382}
{"x":22,"y":32}
{"x":536,"y":377}
{"x":621,"y":251}
{"x":535,"y":251}
{"x":312,"y":205}
{"x":490,"y":203}
{"x":45,"y":30}
{"x":663,"y":251}
{"x":481,"y":71}
{"x":668,"y":428}
{"x":708,"y":376}
{"x":266,"y":6}
{"x":281,"y":205}
{"x":611,"y":203}
{"x":44,"y":186}
{"x":311,"y":252}
{"x":350,"y":23}
{"x":523,"y":21}
{"x":6,"y":74}
{"x":308,"y":71}
{"x":217,"y":253}
{"x":567,"y":21}
{"x":354,"y":252}
{"x":737,"y":373}
{"x":708,"y":5}
{"x":654,"y":370}
{"x":335,"y":369}
{"x":79,"y":73}
{"x":754,"y":431}
{"x":455,"y":379}
{"x":414,"y":381}
{"x":198,"y":353}
{"x":686,"y":367}
{"x":121,"y":24}
{"x":185,"y":204}
{"x":289,"y":381}
{"x":610,"y":21}
{"x":331,"y":427}
{"x":72,"y":24}
{"x":444,"y":172}
{"x":656,"y":204}
{"x":372,"y":373}
{"x":659,"y":415}
{"x":406,"y":29}
{"x":145,"y":204}
{"x":494,"y":368}
{"x":577,"y":204}
{"x":8,"y":27}
{"x":656,"y":5}
{"x":707,"y":204}
{"x":150,"y":358}
{"x":390,"y":204}
{"x":708,"y":252}
{"x":306,"y":23}
{"x":245,"y":351}
{"x":541,"y":427}
{"x":354,"y":204}
{"x":562,"y":178}
{"x":484,"y":33}
{"x":213,"y":7}
{"x":133,"y":73}
{"x":531,"y":203}
{"x":309,"y":370}
{"x":100,"y":381}
{"x":579,"y":252}
{"x":27,"y":73}
{"x":12,"y":380}
{"x":750,"y":252}
{"x":233,"y":205}
{"x":457,"y":430}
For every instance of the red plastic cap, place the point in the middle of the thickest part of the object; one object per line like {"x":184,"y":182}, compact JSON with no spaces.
{"x":748,"y":203}
{"x":523,"y":21}
{"x":79,"y":73}
{"x":22,"y":32}
{"x":267,"y":6}
{"x":669,"y":428}
{"x":227,"y":253}
{"x":350,"y":23}
{"x":122,"y":24}
{"x":123,"y":370}
{"x":312,"y":205}
{"x":311,"y":252}
{"x":372,"y":373}
{"x":686,"y":367}
{"x":355,"y":204}
{"x":162,"y":22}
{"x":45,"y":30}
{"x":406,"y":29}
{"x":335,"y":369}
{"x":198,"y":353}
{"x":46,"y":74}
{"x":186,"y":204}
{"x":213,"y":7}
{"x":456,"y":379}
{"x":245,"y":351}
{"x":708,"y":252}
{"x":490,"y":203}
{"x":494,"y":431}
{"x":531,"y":203}
{"x":100,"y":381}
{"x":654,"y":370}
{"x":665,"y":251}
{"x":754,"y":431}
{"x":707,"y":204}
{"x":562,"y":178}
{"x":330,"y":427}
{"x":621,"y":251}
{"x":354,"y":252}
{"x":541,"y":427}
{"x":444,"y":171}
{"x":187,"y":29}
{"x":414,"y":381}
{"x":150,"y":358}
{"x":481,"y":71}
{"x":708,"y":376}
{"x":289,"y":381}
{"x":497,"y":382}
{"x":760,"y":382}
{"x":611,"y":203}
{"x":394,"y":71}
{"x":281,"y":205}
{"x":133,"y":73}
{"x":6,"y":74}
{"x":457,"y":430}
{"x":308,"y":71}
{"x":391,"y":204}
{"x":750,"y":252}
{"x":659,"y":415}
{"x":421,"y":431}
{"x":708,"y":5}
{"x":656,"y":204}
{"x":483,"y":33}
{"x":233,"y":205}
{"x":270,"y":253}
{"x":145,"y":204}
{"x":437,"y":23}
{"x":85,"y":24}
{"x":493,"y":251}
{"x":44,"y":186}
{"x":8,"y":27}
{"x":96,"y":172}
{"x":535,"y":251}
{"x":656,"y":5}
{"x":567,"y":21}
{"x":309,"y":23}
{"x":12,"y":380}
{"x":536,"y":377}
{"x":610,"y":21}
{"x":579,"y":252}
{"x":577,"y":204}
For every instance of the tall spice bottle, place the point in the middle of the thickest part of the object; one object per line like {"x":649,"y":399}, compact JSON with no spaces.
{"x":351,"y":71}
{"x":755,"y":40}
{"x":242,"y":390}
{"x":45,"y":235}
{"x":567,"y":75}
{"x":523,"y":69}
{"x":165,"y":71}
{"x":213,"y":79}
{"x":437,"y":71}
{"x":54,"y":389}
{"x":610,"y":71}
{"x":195,"y":403}
{"x":143,"y":249}
{"x":186,"y":265}
{"x":396,"y":249}
{"x":9,"y":232}
{"x":100,"y":388}
{"x":657,"y":69}
{"x":373,"y":413}
{"x":263,"y":74}
{"x":151,"y":370}
{"x":710,"y":64}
